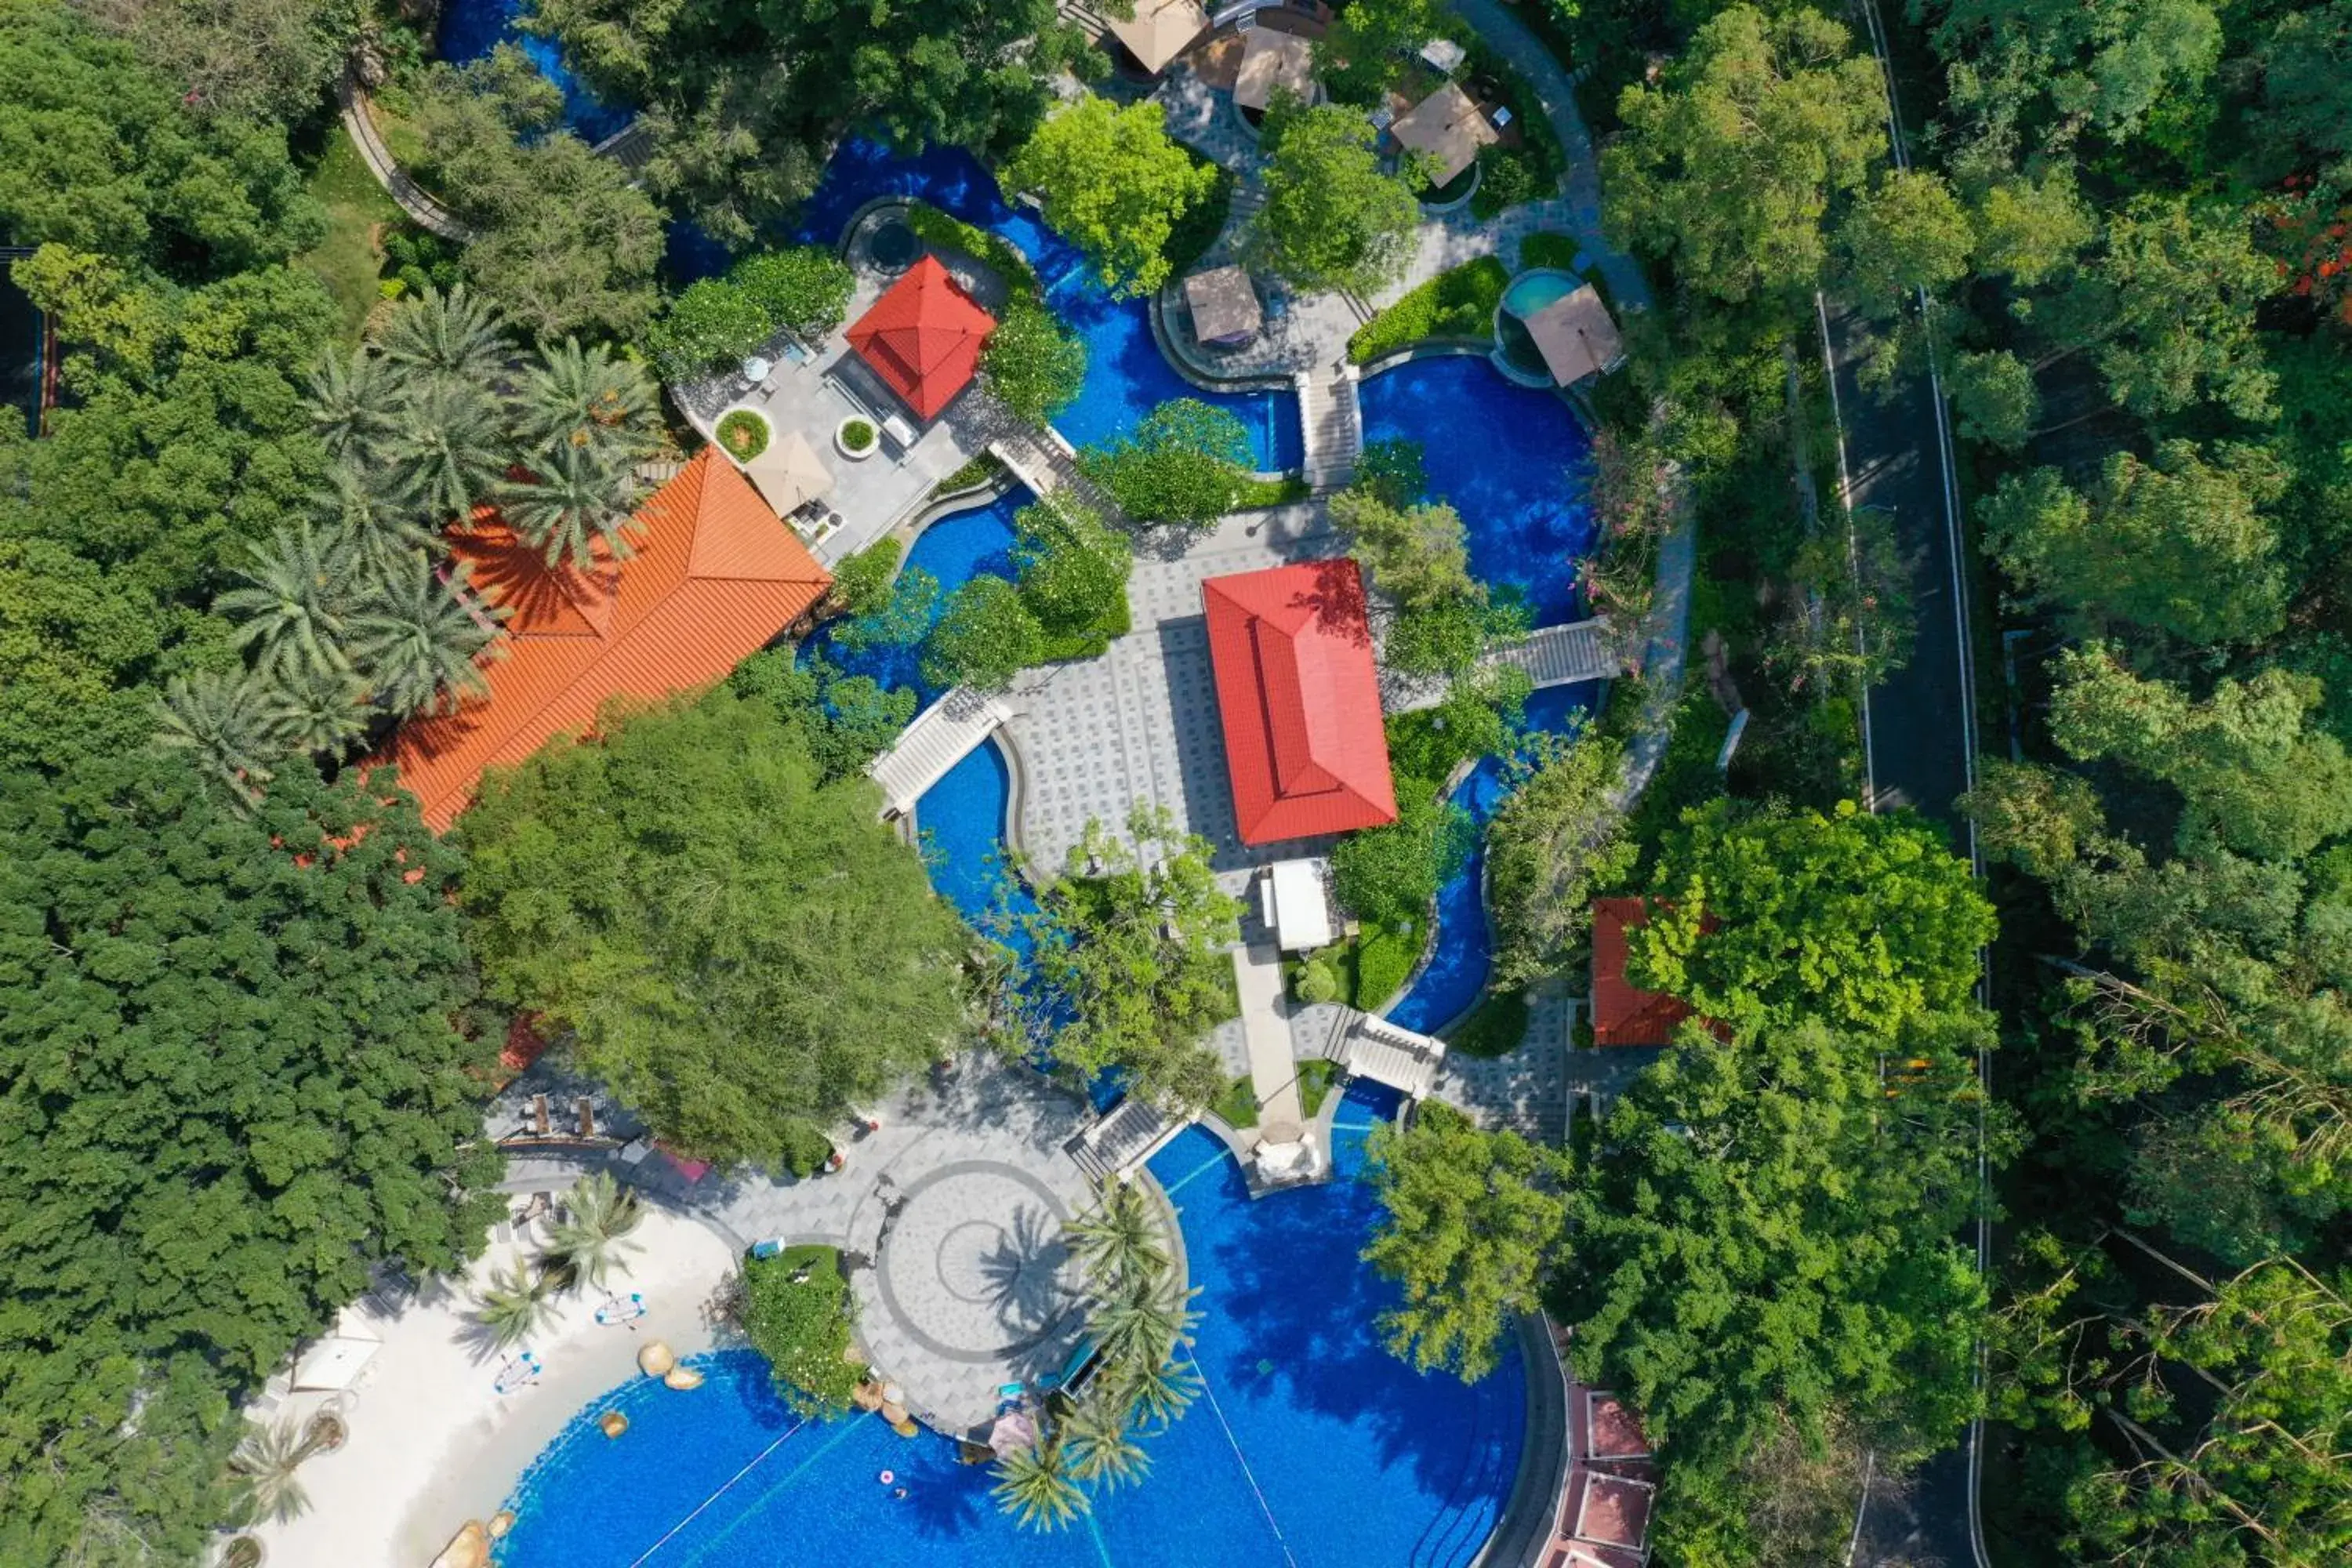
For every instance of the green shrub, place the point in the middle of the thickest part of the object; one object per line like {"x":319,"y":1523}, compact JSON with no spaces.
{"x":1187,"y":463}
{"x":1457,"y":304}
{"x":1324,"y":977}
{"x":942,"y":231}
{"x":861,"y":583}
{"x":797,"y":1312}
{"x":744,"y":434}
{"x":1033,"y":364}
{"x":981,"y":467}
{"x":858,"y":435}
{"x":1558,"y":251}
{"x":1385,"y":957}
{"x":1505,"y":180}
{"x":806,"y":288}
{"x":1202,"y":222}
{"x":719,"y":321}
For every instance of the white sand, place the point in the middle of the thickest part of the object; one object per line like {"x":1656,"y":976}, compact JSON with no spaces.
{"x":433,"y":1444}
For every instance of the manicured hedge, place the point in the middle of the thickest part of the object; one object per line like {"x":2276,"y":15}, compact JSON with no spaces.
{"x":1458,"y":303}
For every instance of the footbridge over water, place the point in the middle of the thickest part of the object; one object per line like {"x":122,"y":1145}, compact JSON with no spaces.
{"x":1553,"y":656}
{"x":941,"y":736}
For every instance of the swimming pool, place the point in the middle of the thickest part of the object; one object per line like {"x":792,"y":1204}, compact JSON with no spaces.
{"x":1511,"y":460}
{"x":1312,"y":1447}
{"x":472,"y":28}
{"x":962,"y":819}
{"x":1127,"y":375}
{"x":1531,"y":291}
{"x":955,"y":548}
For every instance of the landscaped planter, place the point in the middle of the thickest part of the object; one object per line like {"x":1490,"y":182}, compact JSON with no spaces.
{"x":856,"y":440}
{"x":743,"y":433}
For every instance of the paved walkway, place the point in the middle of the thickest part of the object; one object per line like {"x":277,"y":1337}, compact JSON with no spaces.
{"x":406,"y":193}
{"x":950,"y":1216}
{"x":1265,"y":1025}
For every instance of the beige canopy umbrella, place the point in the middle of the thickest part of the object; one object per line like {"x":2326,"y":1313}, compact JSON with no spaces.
{"x":1271,"y":60}
{"x":1447,"y":126}
{"x":789,"y":473}
{"x":1576,"y":336}
{"x":1158,"y":31}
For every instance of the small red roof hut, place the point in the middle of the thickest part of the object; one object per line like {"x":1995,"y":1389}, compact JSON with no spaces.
{"x":923,"y":337}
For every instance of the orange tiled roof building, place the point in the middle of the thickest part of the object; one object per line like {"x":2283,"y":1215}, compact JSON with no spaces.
{"x":711,"y":576}
{"x":1622,"y":1013}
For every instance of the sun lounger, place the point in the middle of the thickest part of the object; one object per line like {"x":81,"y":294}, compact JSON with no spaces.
{"x":587,"y":1118}
{"x":519,"y":1373}
{"x":621,"y":1309}
{"x":539,"y":1121}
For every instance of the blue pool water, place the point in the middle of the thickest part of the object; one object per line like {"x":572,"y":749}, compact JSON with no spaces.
{"x":1511,"y":460}
{"x":1127,"y":375}
{"x":1531,"y":291}
{"x":962,"y":819}
{"x":472,"y":28}
{"x":1312,"y":1446}
{"x":954,"y":549}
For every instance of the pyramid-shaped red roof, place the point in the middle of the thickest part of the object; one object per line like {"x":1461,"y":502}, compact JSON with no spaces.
{"x":1292,"y":650}
{"x":711,"y":578}
{"x":923,"y":337}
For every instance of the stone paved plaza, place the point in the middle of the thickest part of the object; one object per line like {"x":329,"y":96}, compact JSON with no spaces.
{"x":1140,"y":726}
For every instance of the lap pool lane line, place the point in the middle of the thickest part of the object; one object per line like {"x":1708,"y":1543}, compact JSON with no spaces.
{"x":647,"y":1554}
{"x":848,"y":1430}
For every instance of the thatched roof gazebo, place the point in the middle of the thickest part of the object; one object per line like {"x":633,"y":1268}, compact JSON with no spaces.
{"x":1225,"y":312}
{"x":1576,"y":336}
{"x":1272,"y":62}
{"x":1448,"y":128}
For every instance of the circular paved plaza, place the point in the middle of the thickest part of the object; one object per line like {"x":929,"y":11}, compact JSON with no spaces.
{"x":972,"y":1264}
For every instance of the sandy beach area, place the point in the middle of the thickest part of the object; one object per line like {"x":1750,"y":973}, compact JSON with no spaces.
{"x":434,"y":1444}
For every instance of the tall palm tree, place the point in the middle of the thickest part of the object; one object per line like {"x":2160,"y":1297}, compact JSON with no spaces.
{"x":220,"y":721}
{"x":584,"y":398}
{"x":448,"y":447}
{"x":314,"y":710}
{"x":1154,"y":1392}
{"x":1101,"y":1449}
{"x":580,"y":496}
{"x":600,"y":1214}
{"x":265,"y":1463}
{"x":294,"y":603}
{"x":437,"y":337}
{"x":418,"y":639}
{"x":514,"y":1304}
{"x":355,"y":405}
{"x":1146,"y":1324}
{"x":1120,"y":1239}
{"x":1034,"y":1485}
{"x":381,"y":528}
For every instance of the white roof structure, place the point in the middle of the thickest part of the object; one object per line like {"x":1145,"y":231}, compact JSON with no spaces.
{"x":1158,"y":31}
{"x":1271,"y":60}
{"x":1225,"y":305}
{"x":1449,"y":127}
{"x":1444,"y":55}
{"x":335,"y":1361}
{"x":1576,"y":336}
{"x":1302,"y":915}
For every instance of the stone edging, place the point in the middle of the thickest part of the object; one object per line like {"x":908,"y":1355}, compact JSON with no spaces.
{"x":405,"y":192}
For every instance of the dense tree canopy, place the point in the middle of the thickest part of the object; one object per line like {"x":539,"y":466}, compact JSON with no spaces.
{"x":1471,"y":1219}
{"x":745,"y":951}
{"x":1557,"y":839}
{"x":1764,"y":919}
{"x":233,"y":1081}
{"x":1333,"y":217}
{"x":1186,"y":463}
{"x":1115,"y":185}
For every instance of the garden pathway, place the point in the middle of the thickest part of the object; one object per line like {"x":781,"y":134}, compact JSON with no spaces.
{"x":410,"y":196}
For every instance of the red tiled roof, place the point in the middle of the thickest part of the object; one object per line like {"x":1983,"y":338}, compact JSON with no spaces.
{"x":711,"y":577}
{"x":1615,"y":1511}
{"x":1623,"y":1015}
{"x":923,"y":337}
{"x":1612,"y":1428}
{"x":1292,"y":650}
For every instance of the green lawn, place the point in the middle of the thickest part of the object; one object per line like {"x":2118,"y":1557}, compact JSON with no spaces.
{"x":1495,"y":1027}
{"x":350,"y":259}
{"x":1237,"y":1104}
{"x":1457,"y":304}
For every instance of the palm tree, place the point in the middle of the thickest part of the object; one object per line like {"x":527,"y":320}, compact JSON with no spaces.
{"x":1145,"y":1324}
{"x":452,"y":337}
{"x":579,"y":497}
{"x":587,"y":399}
{"x":1034,"y":1485}
{"x":1101,"y":1449}
{"x":448,"y":447}
{"x":514,"y":1304}
{"x":418,"y":638}
{"x":265,"y":1463}
{"x":1119,"y":1240}
{"x":295,"y":602}
{"x":355,"y":405}
{"x":321,"y":710}
{"x":380,"y":528}
{"x":220,"y":721}
{"x":1154,"y":1392}
{"x":594,"y":1231}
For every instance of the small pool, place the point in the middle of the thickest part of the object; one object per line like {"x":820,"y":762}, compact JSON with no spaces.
{"x":472,"y":28}
{"x":954,"y":549}
{"x":1511,"y":460}
{"x":1312,"y":1447}
{"x":962,"y":822}
{"x":1531,"y":291}
{"x":1127,"y":375}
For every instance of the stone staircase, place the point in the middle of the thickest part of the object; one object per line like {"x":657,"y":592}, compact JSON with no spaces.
{"x":1083,"y":17}
{"x":1332,"y":421}
{"x":1120,"y":1139}
{"x":941,"y":736}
